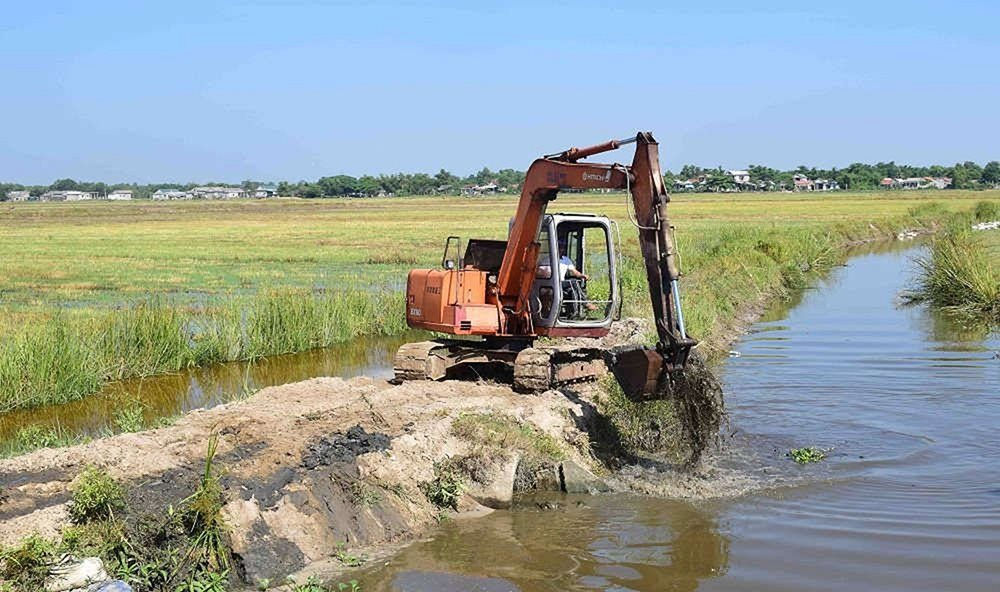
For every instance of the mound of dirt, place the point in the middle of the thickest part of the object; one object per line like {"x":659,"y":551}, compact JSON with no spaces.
{"x":306,"y":467}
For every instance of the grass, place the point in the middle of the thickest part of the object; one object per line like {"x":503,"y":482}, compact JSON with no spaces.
{"x":33,"y":437}
{"x":501,"y":432}
{"x":105,"y":291}
{"x":95,"y":495}
{"x":67,"y":357}
{"x":182,"y":550}
{"x":962,"y":271}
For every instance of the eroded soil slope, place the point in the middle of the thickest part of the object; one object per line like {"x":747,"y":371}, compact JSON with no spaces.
{"x":311,"y":465}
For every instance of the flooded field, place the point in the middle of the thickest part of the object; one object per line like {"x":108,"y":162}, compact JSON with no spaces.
{"x":905,"y":403}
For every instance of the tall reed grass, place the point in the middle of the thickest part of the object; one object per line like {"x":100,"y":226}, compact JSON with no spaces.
{"x":60,"y":359}
{"x":961,"y":273}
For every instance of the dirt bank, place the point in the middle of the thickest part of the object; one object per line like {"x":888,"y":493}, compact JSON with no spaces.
{"x":321,"y":463}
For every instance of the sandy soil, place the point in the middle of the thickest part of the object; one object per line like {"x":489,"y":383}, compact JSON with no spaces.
{"x":293,"y":461}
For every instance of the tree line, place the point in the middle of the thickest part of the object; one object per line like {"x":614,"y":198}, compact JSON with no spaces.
{"x":857,"y":177}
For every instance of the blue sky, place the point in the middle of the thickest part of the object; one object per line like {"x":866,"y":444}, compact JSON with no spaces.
{"x":269,"y":90}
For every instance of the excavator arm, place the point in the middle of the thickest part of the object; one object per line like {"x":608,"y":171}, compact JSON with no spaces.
{"x":639,"y":371}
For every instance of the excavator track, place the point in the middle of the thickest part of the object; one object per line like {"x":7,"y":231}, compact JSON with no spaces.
{"x":534,"y":369}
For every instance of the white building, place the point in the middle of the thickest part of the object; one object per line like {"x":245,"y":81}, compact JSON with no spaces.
{"x":265,"y":191}
{"x":18,"y":196}
{"x":71,"y":195}
{"x":739,"y":177}
{"x":165,"y":194}
{"x":218,"y":193}
{"x":120,"y":194}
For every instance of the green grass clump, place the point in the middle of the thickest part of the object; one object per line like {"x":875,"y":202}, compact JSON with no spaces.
{"x":95,"y":495}
{"x":504,"y":432}
{"x":987,"y":211}
{"x":961,"y":273}
{"x":364,"y":495}
{"x":34,"y":437}
{"x":314,"y":584}
{"x":26,"y":565}
{"x":649,"y":426}
{"x":806,"y":455}
{"x":129,"y":415}
{"x":447,"y":486}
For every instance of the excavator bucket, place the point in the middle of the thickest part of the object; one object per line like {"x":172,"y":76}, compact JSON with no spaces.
{"x":639,"y":371}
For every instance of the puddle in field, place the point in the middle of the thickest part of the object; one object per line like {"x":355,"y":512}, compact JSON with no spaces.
{"x":168,"y":395}
{"x":905,"y":401}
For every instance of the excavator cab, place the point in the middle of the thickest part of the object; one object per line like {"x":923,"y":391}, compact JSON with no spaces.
{"x":576,"y":281}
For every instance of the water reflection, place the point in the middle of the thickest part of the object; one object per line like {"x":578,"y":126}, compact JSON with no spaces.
{"x":168,"y":395}
{"x":588,"y":543}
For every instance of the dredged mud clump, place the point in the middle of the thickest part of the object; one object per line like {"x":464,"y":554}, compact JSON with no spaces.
{"x":343,"y":447}
{"x":700,"y":408}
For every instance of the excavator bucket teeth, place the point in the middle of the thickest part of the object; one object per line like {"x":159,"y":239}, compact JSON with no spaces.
{"x":639,"y":371}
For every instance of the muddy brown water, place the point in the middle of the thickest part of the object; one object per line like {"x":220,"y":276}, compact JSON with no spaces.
{"x":905,"y":401}
{"x":169,"y":395}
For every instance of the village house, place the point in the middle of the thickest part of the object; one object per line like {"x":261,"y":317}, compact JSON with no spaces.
{"x":801,"y":182}
{"x":18,"y":196}
{"x":120,"y":194}
{"x":263,"y":191}
{"x":69,"y":195}
{"x":739,"y":177}
{"x":491,"y":187}
{"x":165,"y":194}
{"x":916,"y":183}
{"x":218,"y":192}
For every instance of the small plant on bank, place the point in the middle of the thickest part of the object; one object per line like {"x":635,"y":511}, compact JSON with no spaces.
{"x":364,"y":495}
{"x":128,"y":417}
{"x":208,"y":551}
{"x":347,"y":558}
{"x":313,"y":584}
{"x":95,"y":496}
{"x":806,"y":455}
{"x":447,"y":486}
{"x":27,"y":564}
{"x":34,"y":436}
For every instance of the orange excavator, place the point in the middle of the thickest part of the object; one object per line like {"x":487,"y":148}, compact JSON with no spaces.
{"x":556,"y":276}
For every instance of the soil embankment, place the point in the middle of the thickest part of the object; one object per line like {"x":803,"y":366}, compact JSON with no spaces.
{"x":326,"y":462}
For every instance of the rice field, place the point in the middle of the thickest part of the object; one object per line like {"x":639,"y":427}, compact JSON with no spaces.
{"x":91,"y":292}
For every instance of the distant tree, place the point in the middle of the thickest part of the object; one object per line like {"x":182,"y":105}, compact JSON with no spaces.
{"x":690,"y":171}
{"x":991,"y":173}
{"x":444,"y":178}
{"x":959,"y":177}
{"x":337,"y":186}
{"x":64,"y":185}
{"x":368,"y":185}
{"x":310,"y":190}
{"x":973,"y":170}
{"x":720,"y":180}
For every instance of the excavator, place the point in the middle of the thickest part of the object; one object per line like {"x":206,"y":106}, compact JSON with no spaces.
{"x":556,"y":276}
